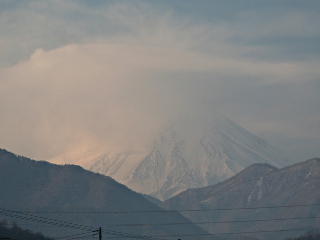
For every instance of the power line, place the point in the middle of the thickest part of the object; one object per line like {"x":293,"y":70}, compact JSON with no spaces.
{"x":11,"y":213}
{"x":199,"y":223}
{"x":190,"y":223}
{"x":49,"y":221}
{"x":121,"y":235}
{"x":80,"y":237}
{"x":234,"y":233}
{"x":155,"y":237}
{"x":74,"y":235}
{"x":39,"y":219}
{"x":37,"y":225}
{"x":129,"y":235}
{"x":173,"y":211}
{"x":116,"y":233}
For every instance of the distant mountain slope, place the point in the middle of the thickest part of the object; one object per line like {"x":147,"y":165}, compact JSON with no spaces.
{"x":259,"y":185}
{"x":69,"y":192}
{"x":188,"y":154}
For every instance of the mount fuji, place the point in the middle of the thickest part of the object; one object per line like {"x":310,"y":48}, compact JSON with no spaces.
{"x":182,"y":156}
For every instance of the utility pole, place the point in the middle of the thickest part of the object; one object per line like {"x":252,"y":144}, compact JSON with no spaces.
{"x":100,"y":233}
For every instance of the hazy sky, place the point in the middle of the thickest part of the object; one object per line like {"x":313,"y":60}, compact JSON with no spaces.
{"x":79,"y":73}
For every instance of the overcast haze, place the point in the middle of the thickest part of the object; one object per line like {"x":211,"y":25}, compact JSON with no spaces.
{"x":79,"y":73}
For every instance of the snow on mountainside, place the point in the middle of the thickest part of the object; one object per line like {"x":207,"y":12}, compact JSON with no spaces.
{"x":258,"y":192}
{"x":184,"y":155}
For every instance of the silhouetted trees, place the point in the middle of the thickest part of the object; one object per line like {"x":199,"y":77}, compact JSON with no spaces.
{"x":308,"y":236}
{"x":13,"y":231}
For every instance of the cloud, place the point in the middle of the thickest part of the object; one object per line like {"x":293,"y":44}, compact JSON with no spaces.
{"x":251,"y":32}
{"x":75,"y":75}
{"x":97,"y":92}
{"x":86,"y":94}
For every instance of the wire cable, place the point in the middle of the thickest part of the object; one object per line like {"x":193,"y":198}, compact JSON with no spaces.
{"x":11,"y":213}
{"x":74,"y":235}
{"x":41,"y":221}
{"x":49,"y":221}
{"x":80,"y":237}
{"x":129,"y":235}
{"x":174,"y":211}
{"x":199,"y":223}
{"x":191,"y":223}
{"x":230,"y":233}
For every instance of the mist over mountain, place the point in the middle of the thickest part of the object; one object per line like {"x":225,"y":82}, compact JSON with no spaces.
{"x":188,"y":153}
{"x":255,"y":195}
{"x":31,"y":190}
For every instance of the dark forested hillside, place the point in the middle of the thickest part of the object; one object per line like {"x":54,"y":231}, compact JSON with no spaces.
{"x":37,"y":192}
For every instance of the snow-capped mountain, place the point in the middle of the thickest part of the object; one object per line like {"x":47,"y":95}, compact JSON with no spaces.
{"x":184,"y":155}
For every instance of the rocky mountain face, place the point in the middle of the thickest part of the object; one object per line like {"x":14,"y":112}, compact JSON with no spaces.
{"x":253,"y":197}
{"x":70,"y":193}
{"x":188,"y":154}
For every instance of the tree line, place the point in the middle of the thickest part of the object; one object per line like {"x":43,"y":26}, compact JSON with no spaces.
{"x":313,"y":235}
{"x":13,"y":231}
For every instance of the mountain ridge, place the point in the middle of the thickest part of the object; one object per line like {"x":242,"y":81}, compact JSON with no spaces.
{"x":185,"y":154}
{"x":256,"y":198}
{"x":72,"y":194}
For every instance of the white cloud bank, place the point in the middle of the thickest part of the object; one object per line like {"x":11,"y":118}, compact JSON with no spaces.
{"x":88,"y":94}
{"x":117,"y":74}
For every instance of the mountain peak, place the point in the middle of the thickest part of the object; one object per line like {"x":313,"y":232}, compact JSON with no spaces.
{"x":189,"y":153}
